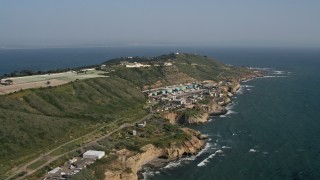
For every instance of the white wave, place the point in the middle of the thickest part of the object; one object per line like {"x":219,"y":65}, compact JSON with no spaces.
{"x":249,"y":89}
{"x":205,"y":149}
{"x":272,"y":77}
{"x":232,"y":105}
{"x":173,"y":164}
{"x":241,"y":90}
{"x":226,"y":147}
{"x":206,"y":160}
{"x":203,"y":163}
{"x":248,"y":86}
{"x":147,"y":174}
{"x":252,"y":150}
{"x":191,"y":158}
{"x":267,"y":69}
{"x":278,"y":72}
{"x":222,"y":116}
{"x":231,"y":112}
{"x":267,"y":77}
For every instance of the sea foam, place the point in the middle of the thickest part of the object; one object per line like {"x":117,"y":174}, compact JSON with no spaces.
{"x":206,"y":160}
{"x":191,"y":158}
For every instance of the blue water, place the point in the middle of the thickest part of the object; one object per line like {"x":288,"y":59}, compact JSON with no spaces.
{"x":48,"y":59}
{"x":272,"y":132}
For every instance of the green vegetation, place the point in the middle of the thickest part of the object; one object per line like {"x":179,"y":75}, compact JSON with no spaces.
{"x":193,"y":113}
{"x":36,"y":164}
{"x":204,"y":68}
{"x":35,"y":121}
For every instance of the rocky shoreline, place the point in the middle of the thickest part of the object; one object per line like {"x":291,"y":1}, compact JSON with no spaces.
{"x":127,"y":165}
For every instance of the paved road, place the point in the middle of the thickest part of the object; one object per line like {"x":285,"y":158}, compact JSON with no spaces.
{"x":53,"y":158}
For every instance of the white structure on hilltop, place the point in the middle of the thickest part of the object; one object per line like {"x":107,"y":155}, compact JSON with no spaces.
{"x":167,"y":64}
{"x":91,"y":154}
{"x":136,"y":65}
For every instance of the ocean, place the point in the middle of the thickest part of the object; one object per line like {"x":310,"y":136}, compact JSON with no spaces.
{"x":272,"y":130}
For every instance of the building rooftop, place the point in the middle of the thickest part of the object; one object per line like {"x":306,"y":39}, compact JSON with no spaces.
{"x":93,"y":153}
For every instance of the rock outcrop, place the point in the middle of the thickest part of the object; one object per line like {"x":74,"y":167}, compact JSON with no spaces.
{"x":198,"y":119}
{"x":234,"y":87}
{"x":171,"y":116}
{"x":215,"y":109}
{"x":128,"y":164}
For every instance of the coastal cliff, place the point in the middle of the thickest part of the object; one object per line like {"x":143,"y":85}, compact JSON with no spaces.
{"x":171,"y":116}
{"x":202,"y":117}
{"x":128,"y":163}
{"x":234,"y":87}
{"x":215,"y":109}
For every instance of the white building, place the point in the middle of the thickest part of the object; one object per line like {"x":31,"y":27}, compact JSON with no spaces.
{"x":136,"y":65}
{"x":55,"y":170}
{"x":91,"y":154}
{"x":142,"y":125}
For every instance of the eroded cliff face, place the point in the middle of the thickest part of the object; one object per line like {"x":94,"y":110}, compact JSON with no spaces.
{"x":128,"y":164}
{"x":234,"y":87}
{"x":171,"y":116}
{"x":199,"y":119}
{"x":215,"y":109}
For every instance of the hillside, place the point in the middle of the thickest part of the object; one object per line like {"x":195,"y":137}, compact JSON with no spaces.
{"x":185,"y":68}
{"x":33,"y":121}
{"x":37,"y":120}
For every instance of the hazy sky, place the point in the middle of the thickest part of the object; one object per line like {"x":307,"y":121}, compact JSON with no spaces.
{"x":164,"y":22}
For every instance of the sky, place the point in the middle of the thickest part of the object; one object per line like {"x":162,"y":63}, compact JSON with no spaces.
{"x":244,"y":23}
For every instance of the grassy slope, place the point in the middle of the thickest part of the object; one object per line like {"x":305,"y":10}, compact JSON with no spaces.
{"x":207,"y":68}
{"x":36,"y":120}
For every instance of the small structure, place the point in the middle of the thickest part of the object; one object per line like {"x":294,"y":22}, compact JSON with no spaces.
{"x":136,"y":65}
{"x":179,"y":101}
{"x":103,"y":67}
{"x":134,"y":132}
{"x":55,"y":170}
{"x":142,"y":125}
{"x":73,"y":160}
{"x":91,"y":154}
